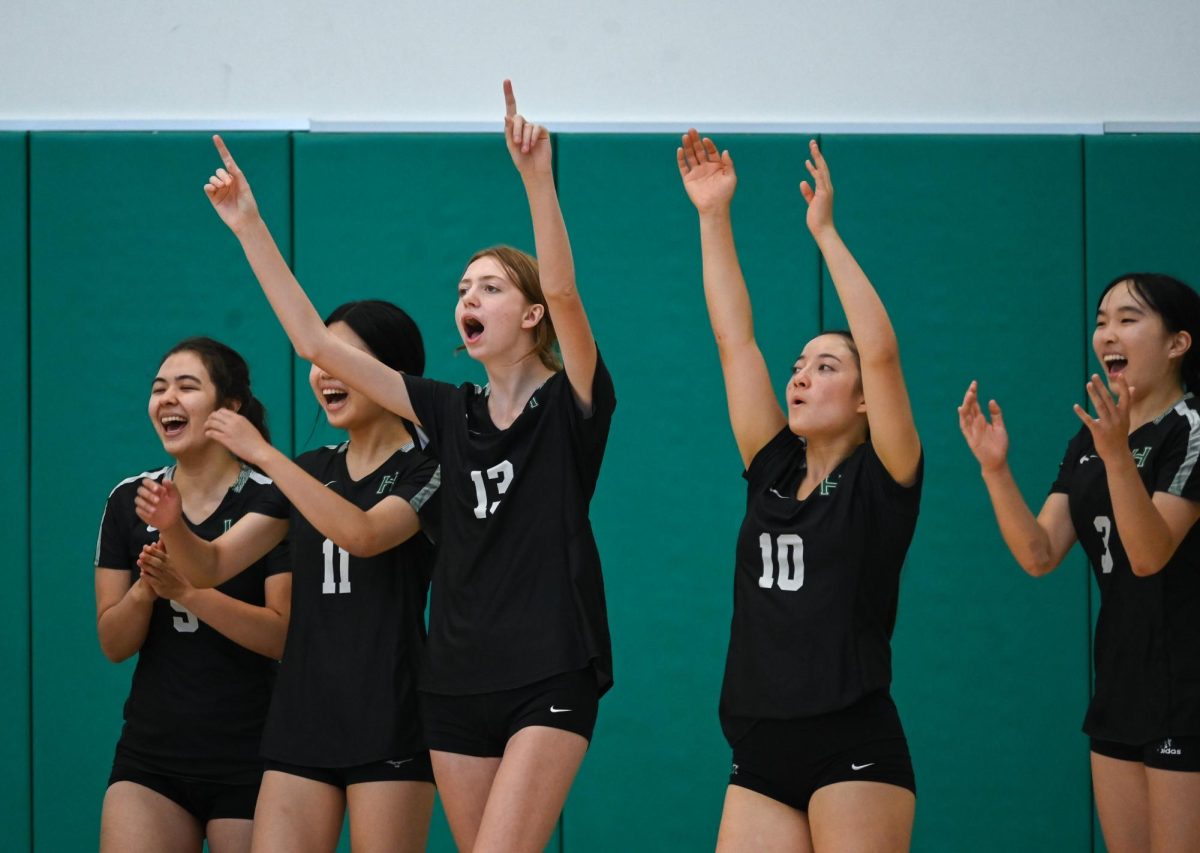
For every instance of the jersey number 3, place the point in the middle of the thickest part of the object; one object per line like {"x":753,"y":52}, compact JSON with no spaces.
{"x":1103,"y":525}
{"x":789,"y":552}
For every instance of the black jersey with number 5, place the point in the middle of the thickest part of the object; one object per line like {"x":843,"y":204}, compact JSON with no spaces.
{"x":346,"y":692}
{"x":1147,"y":646}
{"x":517,"y":593}
{"x":815,"y":585}
{"x":198,"y":699}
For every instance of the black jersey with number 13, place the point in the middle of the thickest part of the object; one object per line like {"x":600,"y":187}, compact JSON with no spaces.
{"x":517,"y":593}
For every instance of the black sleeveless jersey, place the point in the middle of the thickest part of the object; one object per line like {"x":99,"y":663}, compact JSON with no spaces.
{"x":517,"y":593}
{"x":1147,"y":646}
{"x":198,"y":699}
{"x":815,"y":585}
{"x":346,"y":692}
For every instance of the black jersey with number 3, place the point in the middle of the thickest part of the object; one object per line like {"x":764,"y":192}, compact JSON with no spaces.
{"x":346,"y":692}
{"x":198,"y":699}
{"x":1147,"y":647}
{"x":517,"y":593}
{"x":815,"y":585}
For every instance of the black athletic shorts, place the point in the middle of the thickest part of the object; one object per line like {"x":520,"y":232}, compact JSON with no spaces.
{"x":414,"y":768}
{"x":204,"y":800}
{"x":788,"y":760}
{"x":481,"y":724}
{"x":1173,"y":753}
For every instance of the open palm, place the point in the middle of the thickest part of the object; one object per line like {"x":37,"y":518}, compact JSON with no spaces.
{"x":708,"y":176}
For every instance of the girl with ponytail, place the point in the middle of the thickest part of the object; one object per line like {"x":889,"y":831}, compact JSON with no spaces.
{"x":187,"y":764}
{"x":1128,"y":490}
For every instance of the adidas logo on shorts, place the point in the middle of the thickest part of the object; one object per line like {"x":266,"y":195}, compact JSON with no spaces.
{"x":1167,"y":748}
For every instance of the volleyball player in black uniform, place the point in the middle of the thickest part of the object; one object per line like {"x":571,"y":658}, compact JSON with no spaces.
{"x":187,"y":763}
{"x":820,"y":761}
{"x":1128,"y":490}
{"x":518,"y":651}
{"x":343,"y":732}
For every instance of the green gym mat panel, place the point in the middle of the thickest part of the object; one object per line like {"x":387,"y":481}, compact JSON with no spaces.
{"x":127,"y":257}
{"x":1141,"y":216}
{"x":14,"y":607}
{"x":671,"y":499}
{"x":396,"y":217}
{"x":975,"y":245}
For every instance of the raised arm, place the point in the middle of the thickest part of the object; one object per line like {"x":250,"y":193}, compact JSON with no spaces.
{"x":1038,"y":544}
{"x":754,"y":411}
{"x":204,"y":563}
{"x":259,"y":629}
{"x":531,"y":152}
{"x":363,"y":534}
{"x":889,"y":413}
{"x":231,"y":197}
{"x":1151,"y":526}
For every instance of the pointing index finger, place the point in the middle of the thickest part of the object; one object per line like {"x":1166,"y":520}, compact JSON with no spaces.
{"x":226,"y":157}
{"x":510,"y":100}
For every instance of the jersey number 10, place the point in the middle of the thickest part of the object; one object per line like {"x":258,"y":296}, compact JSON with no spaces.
{"x":789,"y":552}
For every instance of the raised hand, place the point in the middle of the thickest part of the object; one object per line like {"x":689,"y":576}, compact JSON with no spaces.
{"x":708,"y":177}
{"x":237,"y":434}
{"x":528,"y":143}
{"x":988,"y":441}
{"x":159,"y":574}
{"x":818,"y":195}
{"x":159,"y":504}
{"x":229,"y":192}
{"x":1110,"y":427}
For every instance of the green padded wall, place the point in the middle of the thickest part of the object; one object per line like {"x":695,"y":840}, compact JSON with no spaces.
{"x":396,"y":217}
{"x":1141,"y":216}
{"x":127,"y":257}
{"x":14,"y":432}
{"x":976,"y":245}
{"x":671,"y":496}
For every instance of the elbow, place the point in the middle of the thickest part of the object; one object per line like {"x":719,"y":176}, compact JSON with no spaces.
{"x":308,"y":349}
{"x":1146,"y":568}
{"x":1038,"y":565}
{"x":114,"y":652}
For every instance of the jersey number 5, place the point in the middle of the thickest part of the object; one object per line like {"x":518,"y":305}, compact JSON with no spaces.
{"x":503,"y":475}
{"x":1103,"y":525}
{"x":186,"y":622}
{"x":789,"y":551}
{"x":328,"y":586}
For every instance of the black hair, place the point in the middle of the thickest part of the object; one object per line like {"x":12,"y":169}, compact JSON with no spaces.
{"x":387,"y":330}
{"x":1178,"y":306}
{"x":230,"y":376}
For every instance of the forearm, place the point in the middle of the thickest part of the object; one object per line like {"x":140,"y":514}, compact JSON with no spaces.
{"x":1028,"y":541}
{"x":198,"y":559}
{"x":331,"y":514}
{"x":725,"y":291}
{"x":865,"y":314}
{"x":556,"y":266}
{"x":122,"y":628}
{"x":291,"y":305}
{"x":1144,"y":533}
{"x":259,"y":629}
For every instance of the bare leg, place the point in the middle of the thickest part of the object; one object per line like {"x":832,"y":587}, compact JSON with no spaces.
{"x":751,"y":822}
{"x":529,"y":790}
{"x":464,"y":782}
{"x":230,"y":835}
{"x":135,"y":819}
{"x":1174,"y":810}
{"x":1123,"y":803}
{"x":389,"y":816}
{"x":297,"y":815}
{"x":862,"y":817}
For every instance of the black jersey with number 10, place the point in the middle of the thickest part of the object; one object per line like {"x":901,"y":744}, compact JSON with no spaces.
{"x":815,"y":585}
{"x":517,"y":593}
{"x":198,"y":700}
{"x":1147,"y":647}
{"x":347,"y":688}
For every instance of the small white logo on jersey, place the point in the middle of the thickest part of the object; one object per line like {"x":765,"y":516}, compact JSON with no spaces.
{"x":398,"y":763}
{"x":150,"y":528}
{"x":775,"y":492}
{"x":854,"y":766}
{"x":1085,"y":457}
{"x":733,"y":772}
{"x":330,"y":483}
{"x":554,"y":710}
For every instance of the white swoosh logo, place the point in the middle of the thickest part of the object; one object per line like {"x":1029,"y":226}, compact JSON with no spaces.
{"x":554,"y":710}
{"x":861,"y":766}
